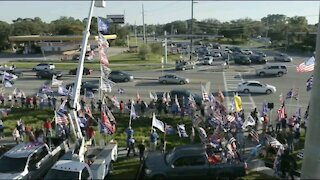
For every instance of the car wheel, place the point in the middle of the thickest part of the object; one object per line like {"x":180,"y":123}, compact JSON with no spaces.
{"x":246,"y":91}
{"x":126,"y":80}
{"x":38,"y":76}
{"x":261,"y":74}
{"x":280,"y":73}
{"x":268,"y":91}
{"x":192,"y":67}
{"x":164,"y":82}
{"x":181,"y":82}
{"x":183,"y":69}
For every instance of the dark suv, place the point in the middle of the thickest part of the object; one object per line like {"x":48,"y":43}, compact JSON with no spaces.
{"x":48,"y":73}
{"x":242,"y":60}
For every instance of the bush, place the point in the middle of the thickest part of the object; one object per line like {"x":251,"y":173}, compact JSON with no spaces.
{"x":156,"y":48}
{"x":144,"y":52}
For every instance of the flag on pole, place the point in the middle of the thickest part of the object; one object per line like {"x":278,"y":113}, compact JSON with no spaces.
{"x":306,"y":114}
{"x":168,"y":98}
{"x":220,"y":96}
{"x":177,"y":102}
{"x":238,"y":103}
{"x":60,"y":115}
{"x":138,"y":97}
{"x":202,"y":134}
{"x":282,"y":111}
{"x":9,"y":76}
{"x":248,"y":122}
{"x":254,"y":134}
{"x":307,"y":65}
{"x":281,"y":98}
{"x":182,"y":130}
{"x":153,"y":96}
{"x":115,"y":101}
{"x":205,"y":95}
{"x":103,"y":25}
{"x":157,"y":123}
{"x":133,"y":114}
{"x":89,"y":94}
{"x":164,"y":98}
{"x":265,"y":108}
{"x":63,"y":91}
{"x":105,"y":124}
{"x":8,"y":83}
{"x":55,"y":81}
{"x":309,"y":83}
{"x":298,"y":112}
{"x":107,"y":85}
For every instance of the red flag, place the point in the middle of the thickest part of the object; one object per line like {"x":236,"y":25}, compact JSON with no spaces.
{"x":282,"y":112}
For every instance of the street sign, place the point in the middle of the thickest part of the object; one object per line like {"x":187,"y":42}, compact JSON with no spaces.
{"x":116,"y":19}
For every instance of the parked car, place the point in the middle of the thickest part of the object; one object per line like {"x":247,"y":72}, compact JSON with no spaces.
{"x":246,"y":52}
{"x":43,"y":66}
{"x":256,"y":87}
{"x":207,"y":60}
{"x":257,"y":59}
{"x":282,"y":57}
{"x":190,"y":162}
{"x":48,"y":73}
{"x":86,"y":71}
{"x":86,"y":85}
{"x":173,"y":79}
{"x":184,"y":65}
{"x":242,"y":60}
{"x":31,"y":160}
{"x":235,"y":49}
{"x":120,"y":76}
{"x":278,"y":70}
{"x":261,"y":54}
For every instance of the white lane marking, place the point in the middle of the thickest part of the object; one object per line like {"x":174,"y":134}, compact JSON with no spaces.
{"x":226,"y":88}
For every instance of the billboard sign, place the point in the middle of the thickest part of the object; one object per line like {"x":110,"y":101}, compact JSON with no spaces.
{"x":117,"y":19}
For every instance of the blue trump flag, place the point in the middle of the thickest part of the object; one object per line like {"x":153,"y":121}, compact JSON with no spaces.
{"x":103,"y":25}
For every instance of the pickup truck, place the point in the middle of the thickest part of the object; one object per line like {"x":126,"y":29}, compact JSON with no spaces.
{"x":97,"y":165}
{"x":189,"y":162}
{"x":31,"y":160}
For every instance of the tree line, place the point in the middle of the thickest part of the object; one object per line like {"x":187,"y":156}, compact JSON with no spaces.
{"x":282,"y":30}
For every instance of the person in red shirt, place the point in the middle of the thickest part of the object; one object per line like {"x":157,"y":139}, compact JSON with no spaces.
{"x":91,"y":135}
{"x":265,"y":122}
{"x":121,"y":107}
{"x":48,"y":127}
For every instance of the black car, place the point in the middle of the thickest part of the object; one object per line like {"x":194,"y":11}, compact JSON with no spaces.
{"x":257,"y":59}
{"x":120,"y":76}
{"x":48,"y":73}
{"x":89,"y":86}
{"x":242,"y":60}
{"x":86,"y":71}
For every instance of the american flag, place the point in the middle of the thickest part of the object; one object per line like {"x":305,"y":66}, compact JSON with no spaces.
{"x":205,"y":95}
{"x":182,"y":130}
{"x":309,"y":83}
{"x":231,"y":118}
{"x":254,"y":134}
{"x":105,"y":124}
{"x":282,"y":112}
{"x":177,"y":102}
{"x":61,"y":117}
{"x":265,"y":108}
{"x":293,"y":93}
{"x":164,"y":98}
{"x":300,"y":154}
{"x":307,"y":66}
{"x":103,"y":57}
{"x":103,"y":25}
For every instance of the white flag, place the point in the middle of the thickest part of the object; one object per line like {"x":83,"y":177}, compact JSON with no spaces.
{"x":248,"y":122}
{"x":63,"y":91}
{"x":133,"y":114}
{"x":157,"y":123}
{"x":55,"y":81}
{"x":153,"y":96}
{"x":7,"y":84}
{"x":202,"y":134}
{"x":107,"y":85}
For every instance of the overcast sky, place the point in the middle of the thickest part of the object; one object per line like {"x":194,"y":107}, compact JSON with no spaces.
{"x":160,"y":12}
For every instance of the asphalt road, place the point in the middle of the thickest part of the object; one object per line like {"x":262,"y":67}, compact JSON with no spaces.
{"x":146,"y":81}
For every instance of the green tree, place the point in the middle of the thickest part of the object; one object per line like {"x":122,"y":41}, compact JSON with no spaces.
{"x":4,"y":34}
{"x":156,"y":48}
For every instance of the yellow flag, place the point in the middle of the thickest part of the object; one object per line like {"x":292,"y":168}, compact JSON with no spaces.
{"x":238,"y":103}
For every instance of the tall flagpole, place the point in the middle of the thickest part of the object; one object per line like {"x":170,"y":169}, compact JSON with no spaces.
{"x":311,"y":155}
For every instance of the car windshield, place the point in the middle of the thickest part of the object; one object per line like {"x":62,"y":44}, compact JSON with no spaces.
{"x":58,"y":174}
{"x":12,"y":165}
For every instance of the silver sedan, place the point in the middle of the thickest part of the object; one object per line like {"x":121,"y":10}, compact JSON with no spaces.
{"x":173,"y":79}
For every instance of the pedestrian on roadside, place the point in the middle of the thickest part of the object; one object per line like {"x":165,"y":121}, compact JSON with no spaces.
{"x":143,"y":107}
{"x":54,"y":102}
{"x":99,"y":103}
{"x":28,"y":102}
{"x":153,"y":140}
{"x":34,"y":102}
{"x":49,"y":102}
{"x":16,"y":135}
{"x":129,"y":133}
{"x":15,"y":101}
{"x":284,"y":123}
{"x":131,"y":146}
{"x":141,"y":148}
{"x":23,"y":100}
{"x":48,"y":127}
{"x":93,"y":107}
{"x":21,"y":128}
{"x":121,"y":107}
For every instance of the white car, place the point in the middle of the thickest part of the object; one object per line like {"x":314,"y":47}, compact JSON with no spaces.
{"x":207,"y":60}
{"x":256,"y":87}
{"x":43,"y":66}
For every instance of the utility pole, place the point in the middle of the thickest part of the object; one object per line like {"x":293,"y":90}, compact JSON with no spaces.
{"x":135,"y":33}
{"x":311,"y":155}
{"x":191,"y":30}
{"x":144,"y":26}
{"x":165,"y":47}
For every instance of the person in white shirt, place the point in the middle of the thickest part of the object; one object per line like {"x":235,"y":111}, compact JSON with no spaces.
{"x":16,"y":135}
